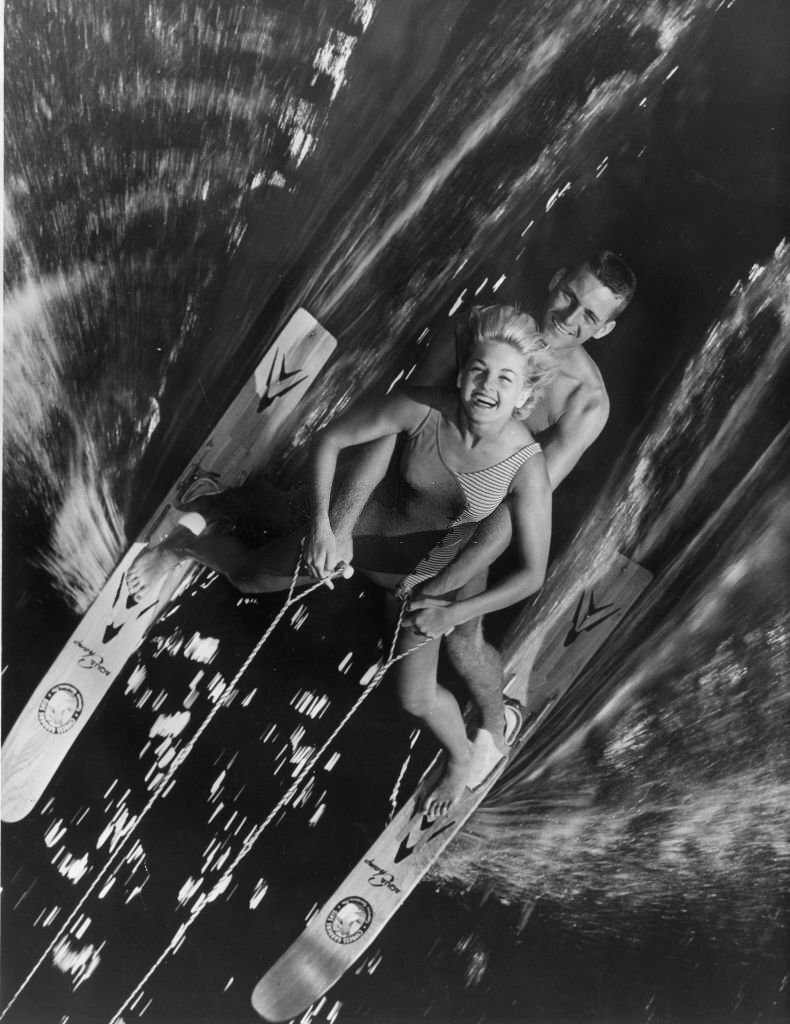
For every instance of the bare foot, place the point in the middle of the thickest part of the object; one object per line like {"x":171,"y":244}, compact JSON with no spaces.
{"x":147,"y":571}
{"x":447,"y":793}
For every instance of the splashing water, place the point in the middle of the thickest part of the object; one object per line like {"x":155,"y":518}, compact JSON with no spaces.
{"x":162,"y":237}
{"x":672,"y":786}
{"x":183,"y":173}
{"x":440,"y":188}
{"x":126,"y":189}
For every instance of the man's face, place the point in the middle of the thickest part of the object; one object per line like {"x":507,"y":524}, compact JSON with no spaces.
{"x":579,"y":307}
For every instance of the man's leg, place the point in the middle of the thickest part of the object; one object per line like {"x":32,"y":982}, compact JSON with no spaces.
{"x":480,"y":666}
{"x":267,"y":569}
{"x":277,"y":509}
{"x":260,"y":503}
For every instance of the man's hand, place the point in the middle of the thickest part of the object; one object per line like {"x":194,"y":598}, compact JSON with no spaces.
{"x":431,"y":617}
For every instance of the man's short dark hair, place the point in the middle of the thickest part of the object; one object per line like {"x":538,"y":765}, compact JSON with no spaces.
{"x":612,"y":271}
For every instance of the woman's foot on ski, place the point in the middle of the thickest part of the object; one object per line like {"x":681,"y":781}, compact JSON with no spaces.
{"x":446,"y":794}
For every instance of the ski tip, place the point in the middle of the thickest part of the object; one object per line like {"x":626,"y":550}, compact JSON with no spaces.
{"x":297,"y":980}
{"x":15,"y":808}
{"x":269,"y":1003}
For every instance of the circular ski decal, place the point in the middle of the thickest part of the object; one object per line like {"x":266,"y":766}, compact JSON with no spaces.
{"x":349,"y":920}
{"x":60,"y":708}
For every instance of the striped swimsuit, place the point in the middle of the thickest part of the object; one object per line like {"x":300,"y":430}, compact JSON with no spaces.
{"x":473,"y":496}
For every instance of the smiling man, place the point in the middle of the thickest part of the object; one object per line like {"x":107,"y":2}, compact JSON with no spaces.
{"x":582,"y":304}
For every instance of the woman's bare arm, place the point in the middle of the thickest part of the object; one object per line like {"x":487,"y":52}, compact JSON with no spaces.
{"x":366,"y":421}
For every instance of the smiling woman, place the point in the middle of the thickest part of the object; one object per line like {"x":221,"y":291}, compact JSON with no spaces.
{"x":463,"y":452}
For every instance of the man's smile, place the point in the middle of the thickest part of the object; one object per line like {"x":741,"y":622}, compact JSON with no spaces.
{"x":561,"y":328}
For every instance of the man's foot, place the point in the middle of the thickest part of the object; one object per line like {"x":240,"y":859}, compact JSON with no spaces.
{"x":514,"y":721}
{"x":217,"y":504}
{"x":444,"y":796}
{"x":489,"y":747}
{"x":145,"y":574}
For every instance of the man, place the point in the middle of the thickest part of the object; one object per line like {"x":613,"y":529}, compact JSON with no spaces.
{"x":582,"y":304}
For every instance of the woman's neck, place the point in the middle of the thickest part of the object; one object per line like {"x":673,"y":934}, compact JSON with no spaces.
{"x":473,"y":434}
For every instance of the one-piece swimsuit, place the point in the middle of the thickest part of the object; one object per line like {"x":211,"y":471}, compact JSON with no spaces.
{"x":433,"y":510}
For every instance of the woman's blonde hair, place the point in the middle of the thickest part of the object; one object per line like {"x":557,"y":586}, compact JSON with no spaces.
{"x":520,"y":330}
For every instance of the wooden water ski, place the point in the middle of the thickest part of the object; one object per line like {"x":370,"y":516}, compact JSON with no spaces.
{"x":575,"y":636}
{"x":355,"y":915}
{"x":266,"y":410}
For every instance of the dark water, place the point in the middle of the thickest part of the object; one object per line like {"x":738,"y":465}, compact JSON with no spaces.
{"x":178,"y":178}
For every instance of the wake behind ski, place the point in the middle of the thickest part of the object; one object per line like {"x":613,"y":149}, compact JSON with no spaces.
{"x":264,"y":413}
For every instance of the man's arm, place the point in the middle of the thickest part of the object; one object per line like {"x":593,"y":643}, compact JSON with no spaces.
{"x":568,"y":439}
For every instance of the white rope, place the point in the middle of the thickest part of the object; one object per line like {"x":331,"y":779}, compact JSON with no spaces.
{"x":252,"y":837}
{"x":175,"y":764}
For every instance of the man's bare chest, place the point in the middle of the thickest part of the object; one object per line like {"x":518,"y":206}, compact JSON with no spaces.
{"x":553,"y":403}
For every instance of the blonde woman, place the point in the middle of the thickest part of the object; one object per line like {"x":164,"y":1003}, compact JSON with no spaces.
{"x":463,"y":452}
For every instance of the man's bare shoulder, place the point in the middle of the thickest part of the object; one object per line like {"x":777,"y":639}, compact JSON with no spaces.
{"x":577,"y":389}
{"x":582,"y":368}
{"x":584,"y":387}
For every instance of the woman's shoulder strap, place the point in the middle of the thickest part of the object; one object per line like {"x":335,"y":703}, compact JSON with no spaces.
{"x":433,"y":399}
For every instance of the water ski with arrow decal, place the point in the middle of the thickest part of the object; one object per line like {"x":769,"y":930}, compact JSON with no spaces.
{"x":263,"y":414}
{"x":340,"y":932}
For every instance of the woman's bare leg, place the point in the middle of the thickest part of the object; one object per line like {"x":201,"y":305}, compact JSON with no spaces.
{"x":422,"y":696}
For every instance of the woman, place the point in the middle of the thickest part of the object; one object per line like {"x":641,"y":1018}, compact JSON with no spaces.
{"x":463,"y":453}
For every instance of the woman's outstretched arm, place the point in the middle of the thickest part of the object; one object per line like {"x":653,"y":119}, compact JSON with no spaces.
{"x":366,"y":421}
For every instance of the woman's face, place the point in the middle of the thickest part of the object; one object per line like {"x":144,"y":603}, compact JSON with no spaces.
{"x":493,"y":381}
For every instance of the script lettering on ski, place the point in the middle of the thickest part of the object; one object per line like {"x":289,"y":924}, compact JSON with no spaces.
{"x":381,"y":879}
{"x":279,"y":382}
{"x":416,"y":837}
{"x":90,"y":659}
{"x":585,"y":619}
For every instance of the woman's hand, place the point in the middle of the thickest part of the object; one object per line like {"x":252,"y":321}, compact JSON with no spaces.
{"x":431,"y":617}
{"x":320,"y":550}
{"x":326,"y":554}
